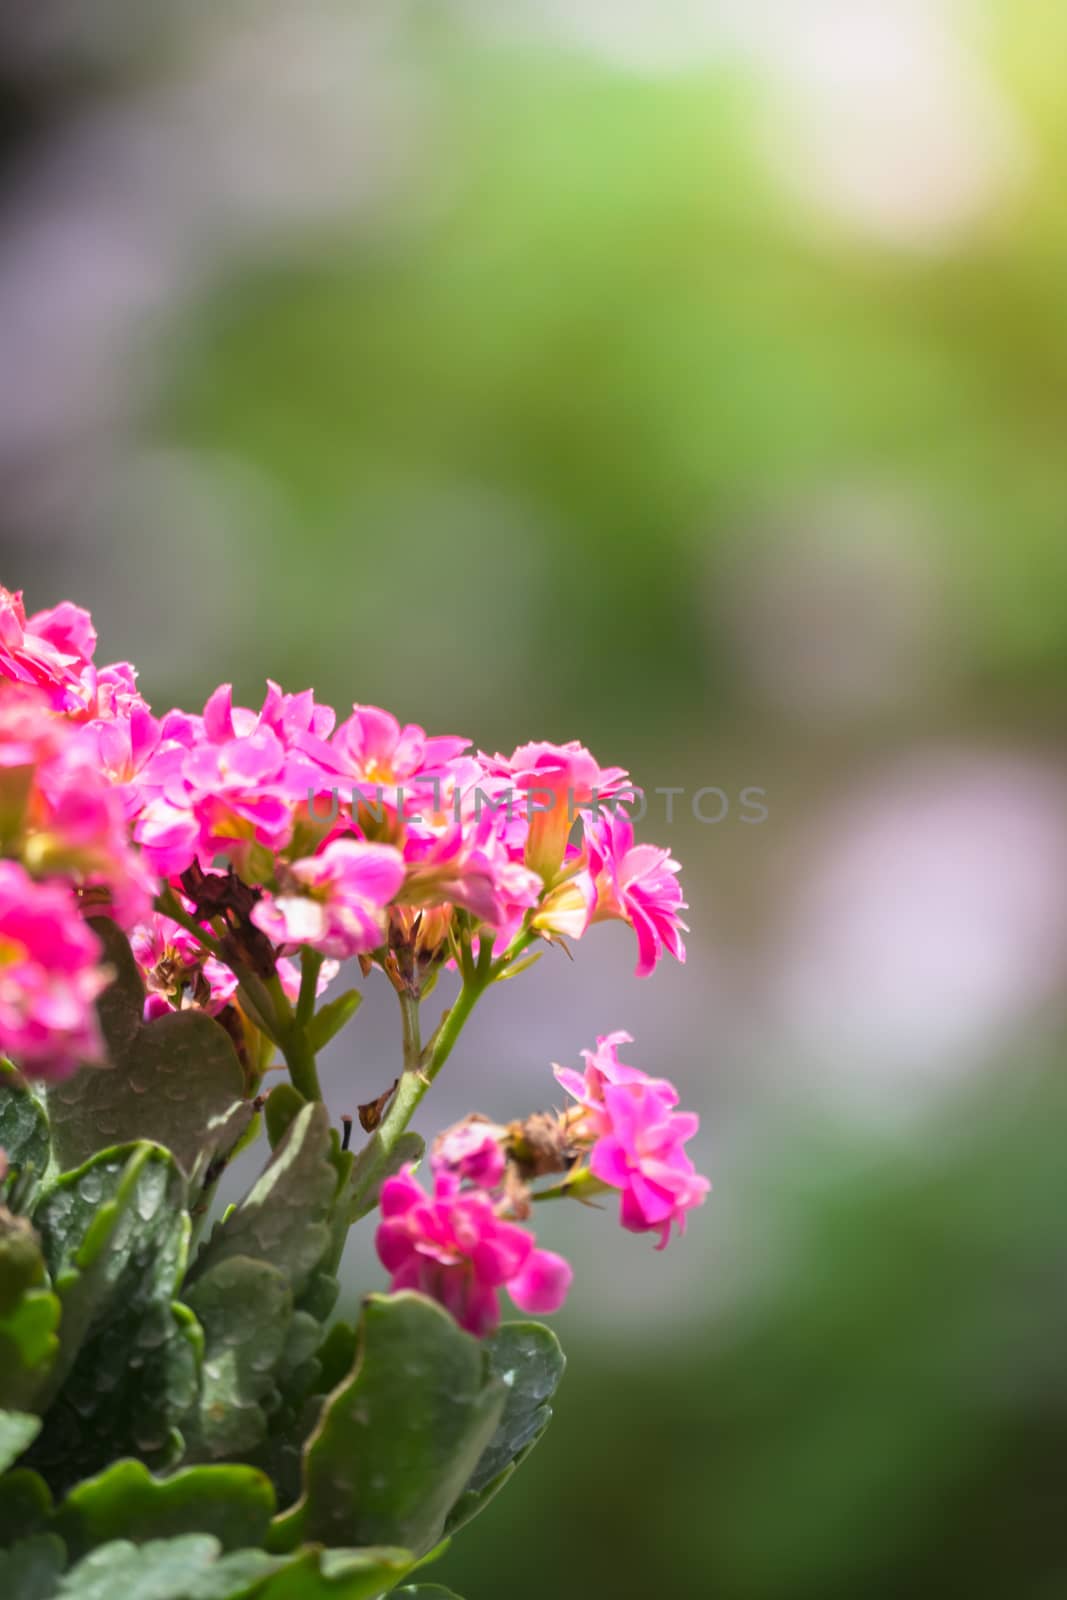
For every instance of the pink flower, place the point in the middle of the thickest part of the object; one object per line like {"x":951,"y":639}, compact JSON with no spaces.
{"x":50,"y":975}
{"x":468,"y":865}
{"x":77,"y":828}
{"x":372,"y":748}
{"x":31,"y":733}
{"x":54,"y":651}
{"x":58,"y":812}
{"x":68,"y":629}
{"x":233,"y":782}
{"x":558,"y":781}
{"x":292,"y":717}
{"x":636,"y":883}
{"x":454,"y":1247}
{"x":637,"y":1139}
{"x":176,"y":967}
{"x":178,"y":972}
{"x":46,"y":650}
{"x":335,"y":901}
{"x":121,"y":746}
{"x":471,"y":1151}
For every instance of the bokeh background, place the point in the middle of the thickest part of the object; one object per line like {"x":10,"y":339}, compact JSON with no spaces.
{"x":692,"y":379}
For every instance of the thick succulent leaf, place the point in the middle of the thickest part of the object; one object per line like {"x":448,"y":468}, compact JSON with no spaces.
{"x":28,"y":1348}
{"x":24,"y":1135}
{"x":121,"y":1006}
{"x":114,"y":1235}
{"x":25,"y":1505}
{"x":99,"y":1224}
{"x":29,"y":1317}
{"x":320,"y":1295}
{"x":337,"y":1354}
{"x":399,"y":1438}
{"x":175,"y":1080}
{"x":527,"y":1358}
{"x":18,"y":1430}
{"x":426,"y":1591}
{"x":30,"y":1569}
{"x":282,"y":1107}
{"x":162,"y":1569}
{"x":298,"y":1377}
{"x":223,"y":1137}
{"x":338,"y":1575}
{"x":234,"y":1504}
{"x":245,"y":1308}
{"x":238,"y":1576}
{"x":284,"y":1218}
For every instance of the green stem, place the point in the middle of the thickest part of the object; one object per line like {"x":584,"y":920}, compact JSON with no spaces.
{"x":310,"y":966}
{"x":421,"y":1066}
{"x":294,"y":1043}
{"x":409,"y":1014}
{"x":168,"y":905}
{"x":582,"y":1186}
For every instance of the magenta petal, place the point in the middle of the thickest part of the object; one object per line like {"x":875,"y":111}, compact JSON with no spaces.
{"x":609,"y":1163}
{"x":543,"y":1282}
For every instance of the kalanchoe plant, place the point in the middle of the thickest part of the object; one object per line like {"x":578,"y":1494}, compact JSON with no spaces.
{"x":180,"y":1418}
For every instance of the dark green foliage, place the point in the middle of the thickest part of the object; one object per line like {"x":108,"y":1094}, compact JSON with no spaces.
{"x":176,"y":1080}
{"x":192,"y":1430}
{"x":284,"y":1219}
{"x":114,"y":1236}
{"x":399,"y":1439}
{"x":30,"y":1569}
{"x":234,"y":1504}
{"x":527,"y":1359}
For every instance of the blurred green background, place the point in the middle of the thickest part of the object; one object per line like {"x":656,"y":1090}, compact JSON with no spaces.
{"x":692,"y":381}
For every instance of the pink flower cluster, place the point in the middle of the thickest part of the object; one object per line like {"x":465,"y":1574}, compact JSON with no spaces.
{"x":334,"y":826}
{"x":637,"y":1139}
{"x":461,"y":1244}
{"x":50,"y":975}
{"x":229,"y":842}
{"x":63,"y":834}
{"x":53,"y":651}
{"x":458,"y":1247}
{"x":348,"y":838}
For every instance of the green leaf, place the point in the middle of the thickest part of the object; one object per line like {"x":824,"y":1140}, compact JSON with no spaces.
{"x":237,"y":1576}
{"x":526,"y":1357}
{"x":234,"y":1504}
{"x":427,"y":1591}
{"x":18,"y":1430}
{"x":24,"y":1135}
{"x":283,"y":1105}
{"x":25,"y":1505}
{"x":331,"y":1018}
{"x":409,"y":1148}
{"x":299,"y":1389}
{"x":284,"y":1218}
{"x":162,"y":1569}
{"x":245,"y":1308}
{"x":337,"y":1353}
{"x":121,"y":1006}
{"x":338,"y":1575}
{"x":29,"y":1316}
{"x":399,"y":1438}
{"x":114,"y":1235}
{"x":28,"y":1346}
{"x":528,"y":1360}
{"x":31,"y":1569}
{"x":175,"y":1080}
